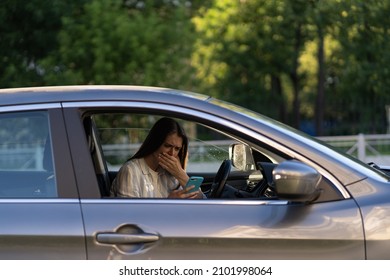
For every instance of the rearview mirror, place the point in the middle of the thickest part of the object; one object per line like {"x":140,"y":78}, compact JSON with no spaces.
{"x":296,"y":181}
{"x":242,"y":157}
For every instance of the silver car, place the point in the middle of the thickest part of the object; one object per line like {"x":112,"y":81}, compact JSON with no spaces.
{"x":272,"y":192}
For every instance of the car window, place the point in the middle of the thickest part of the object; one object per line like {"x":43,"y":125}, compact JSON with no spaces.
{"x":122,"y":134}
{"x":118,"y":136}
{"x":26,"y":163}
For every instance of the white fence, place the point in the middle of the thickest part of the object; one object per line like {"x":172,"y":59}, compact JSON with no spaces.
{"x":205,"y":156}
{"x":367,"y":148}
{"x":21,"y":158}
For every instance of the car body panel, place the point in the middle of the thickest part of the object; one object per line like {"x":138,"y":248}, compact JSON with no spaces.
{"x":375,"y":209}
{"x":228,"y":230}
{"x":41,"y":229}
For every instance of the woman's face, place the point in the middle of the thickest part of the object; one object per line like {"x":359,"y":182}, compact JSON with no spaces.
{"x":172,"y":145}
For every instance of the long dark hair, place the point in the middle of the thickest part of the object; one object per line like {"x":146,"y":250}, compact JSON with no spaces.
{"x":157,"y":135}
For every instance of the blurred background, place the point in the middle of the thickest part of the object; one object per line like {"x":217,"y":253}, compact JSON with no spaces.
{"x":321,"y":66}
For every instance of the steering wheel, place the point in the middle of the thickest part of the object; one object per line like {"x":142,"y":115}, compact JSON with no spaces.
{"x":220,"y":179}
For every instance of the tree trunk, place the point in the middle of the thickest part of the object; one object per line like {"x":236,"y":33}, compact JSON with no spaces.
{"x":276,"y":88}
{"x":320,"y":100}
{"x":295,"y":77}
{"x":296,"y":102}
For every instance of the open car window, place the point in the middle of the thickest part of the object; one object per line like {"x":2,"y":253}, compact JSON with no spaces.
{"x":122,"y":134}
{"x":117,"y":136}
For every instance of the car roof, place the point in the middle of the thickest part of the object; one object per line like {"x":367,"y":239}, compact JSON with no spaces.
{"x":34,"y":95}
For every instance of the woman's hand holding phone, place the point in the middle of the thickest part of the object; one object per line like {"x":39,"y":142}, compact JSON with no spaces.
{"x":193,"y":184}
{"x":191,"y":189}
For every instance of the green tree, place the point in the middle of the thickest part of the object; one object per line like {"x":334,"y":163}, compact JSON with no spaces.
{"x":363,"y":73}
{"x":117,"y":43}
{"x":28,"y":31}
{"x":250,"y":51}
{"x":319,"y":46}
{"x":324,"y":61}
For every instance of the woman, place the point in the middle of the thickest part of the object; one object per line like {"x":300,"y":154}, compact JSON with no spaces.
{"x":158,"y":168}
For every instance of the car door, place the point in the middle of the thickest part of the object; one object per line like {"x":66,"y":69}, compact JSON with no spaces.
{"x":40,"y":213}
{"x":239,"y":228}
{"x":150,"y":229}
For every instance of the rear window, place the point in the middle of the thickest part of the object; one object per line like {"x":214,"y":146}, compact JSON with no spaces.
{"x":26,"y":163}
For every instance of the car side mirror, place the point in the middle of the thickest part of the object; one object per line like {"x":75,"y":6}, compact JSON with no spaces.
{"x":242,"y":157}
{"x":296,"y":181}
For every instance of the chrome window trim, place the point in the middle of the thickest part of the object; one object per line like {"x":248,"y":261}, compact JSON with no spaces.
{"x":213,"y":118}
{"x":182,"y":201}
{"x":39,"y":200}
{"x":29,"y":107}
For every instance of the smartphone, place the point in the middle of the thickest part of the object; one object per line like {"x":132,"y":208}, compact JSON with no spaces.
{"x":194,"y":181}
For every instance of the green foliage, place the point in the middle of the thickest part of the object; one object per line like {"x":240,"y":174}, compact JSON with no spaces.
{"x":299,"y":61}
{"x":114,"y":44}
{"x":358,"y":72}
{"x":257,"y":46}
{"x":269,"y":54}
{"x":28,"y":31}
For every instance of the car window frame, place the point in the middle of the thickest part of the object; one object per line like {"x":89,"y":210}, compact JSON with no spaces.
{"x":176,"y":111}
{"x":62,"y":163}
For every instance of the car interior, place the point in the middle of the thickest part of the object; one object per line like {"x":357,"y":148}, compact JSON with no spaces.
{"x":104,"y":178}
{"x":235,"y":178}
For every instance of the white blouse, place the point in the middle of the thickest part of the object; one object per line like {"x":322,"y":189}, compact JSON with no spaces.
{"x":136,"y":179}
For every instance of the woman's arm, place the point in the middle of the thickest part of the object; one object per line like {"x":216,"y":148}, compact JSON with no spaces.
{"x":124,"y":185}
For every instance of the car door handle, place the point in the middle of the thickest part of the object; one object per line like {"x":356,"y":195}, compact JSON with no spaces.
{"x":126,"y":238}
